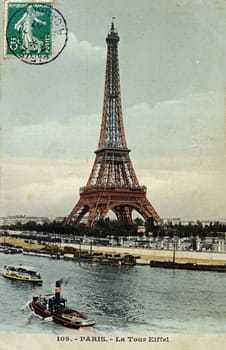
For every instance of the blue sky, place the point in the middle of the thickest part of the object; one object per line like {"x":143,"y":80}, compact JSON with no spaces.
{"x":172,"y":64}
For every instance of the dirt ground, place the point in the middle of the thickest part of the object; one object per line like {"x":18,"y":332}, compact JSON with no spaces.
{"x":20,"y":243}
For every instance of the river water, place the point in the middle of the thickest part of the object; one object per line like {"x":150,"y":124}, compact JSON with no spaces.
{"x":130,"y":299}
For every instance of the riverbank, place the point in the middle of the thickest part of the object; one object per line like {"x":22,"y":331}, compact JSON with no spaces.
{"x":20,"y":243}
{"x":145,"y":254}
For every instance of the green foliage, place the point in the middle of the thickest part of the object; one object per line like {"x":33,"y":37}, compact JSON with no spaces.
{"x":105,"y":228}
{"x":113,"y":228}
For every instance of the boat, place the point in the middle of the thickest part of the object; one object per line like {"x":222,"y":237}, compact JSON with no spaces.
{"x":129,"y":260}
{"x":108,"y":259}
{"x":11,"y":250}
{"x":54,"y":306}
{"x":22,"y":273}
{"x":188,"y":266}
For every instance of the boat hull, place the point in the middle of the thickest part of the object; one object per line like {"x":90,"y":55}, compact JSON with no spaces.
{"x":187,"y":266}
{"x":22,"y":278}
{"x":76,"y":323}
{"x":39,"y":309}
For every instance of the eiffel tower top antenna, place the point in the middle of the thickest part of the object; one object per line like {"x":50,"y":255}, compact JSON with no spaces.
{"x":113,"y":24}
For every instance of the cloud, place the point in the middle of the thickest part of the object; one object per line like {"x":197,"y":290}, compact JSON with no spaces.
{"x":51,"y":187}
{"x":192,"y":125}
{"x":70,"y":139}
{"x":188,"y":194}
{"x":183,"y":186}
{"x":56,"y":91}
{"x":177,"y":152}
{"x":83,"y":50}
{"x":39,"y":187}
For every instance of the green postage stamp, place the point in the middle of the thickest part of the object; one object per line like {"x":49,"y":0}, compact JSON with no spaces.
{"x":35,"y":32}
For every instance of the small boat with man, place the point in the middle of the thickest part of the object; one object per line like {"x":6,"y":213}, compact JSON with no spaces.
{"x":54,"y":306}
{"x":22,"y":273}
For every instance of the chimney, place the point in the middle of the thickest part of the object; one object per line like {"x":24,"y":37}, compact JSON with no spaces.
{"x":57,"y":291}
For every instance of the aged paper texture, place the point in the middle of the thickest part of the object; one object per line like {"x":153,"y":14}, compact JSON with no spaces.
{"x":172,"y":63}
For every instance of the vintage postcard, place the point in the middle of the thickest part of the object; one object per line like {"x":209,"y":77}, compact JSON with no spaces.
{"x":113,"y":168}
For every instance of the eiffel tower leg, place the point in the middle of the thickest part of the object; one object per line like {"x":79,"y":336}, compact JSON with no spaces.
{"x":118,"y":212}
{"x":103,"y":210}
{"x":123,"y":213}
{"x":98,"y":212}
{"x":92,"y":215}
{"x":74,"y":210}
{"x":147,"y":211}
{"x":77,"y":213}
{"x":127,"y":215}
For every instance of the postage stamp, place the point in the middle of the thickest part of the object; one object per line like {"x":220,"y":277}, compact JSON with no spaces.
{"x":35,"y":32}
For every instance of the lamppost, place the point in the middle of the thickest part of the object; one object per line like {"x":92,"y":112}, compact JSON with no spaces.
{"x":80,"y":247}
{"x":91,"y":247}
{"x":175,"y":243}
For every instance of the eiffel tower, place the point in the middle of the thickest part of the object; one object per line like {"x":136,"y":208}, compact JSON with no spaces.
{"x":112,"y":184}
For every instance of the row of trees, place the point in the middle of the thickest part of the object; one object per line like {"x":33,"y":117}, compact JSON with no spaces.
{"x":215,"y":229}
{"x":104,"y":228}
{"x":100,"y":229}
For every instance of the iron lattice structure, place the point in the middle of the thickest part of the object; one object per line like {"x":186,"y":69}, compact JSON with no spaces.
{"x":112,"y":184}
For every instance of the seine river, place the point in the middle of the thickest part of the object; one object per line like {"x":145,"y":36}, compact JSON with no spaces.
{"x":129,"y":299}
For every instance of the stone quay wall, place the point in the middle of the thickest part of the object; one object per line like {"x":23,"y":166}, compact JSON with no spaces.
{"x":146,"y":254}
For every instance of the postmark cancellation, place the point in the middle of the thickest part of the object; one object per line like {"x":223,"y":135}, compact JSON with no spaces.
{"x":35,"y":31}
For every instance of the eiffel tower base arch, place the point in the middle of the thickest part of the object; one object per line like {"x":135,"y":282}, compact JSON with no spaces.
{"x":97,"y":202}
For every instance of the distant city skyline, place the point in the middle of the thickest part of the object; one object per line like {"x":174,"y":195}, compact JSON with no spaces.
{"x":61,"y":218}
{"x":172,"y":64}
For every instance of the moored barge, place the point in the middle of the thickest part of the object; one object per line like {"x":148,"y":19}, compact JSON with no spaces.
{"x":188,"y":266}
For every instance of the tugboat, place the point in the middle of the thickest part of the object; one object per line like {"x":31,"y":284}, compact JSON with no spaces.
{"x":22,"y":273}
{"x":53,"y":305}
